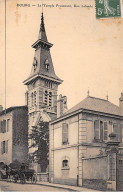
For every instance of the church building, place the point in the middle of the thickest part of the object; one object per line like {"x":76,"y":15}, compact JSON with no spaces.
{"x":42,"y":84}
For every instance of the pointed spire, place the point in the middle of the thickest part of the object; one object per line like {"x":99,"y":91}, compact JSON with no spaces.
{"x":42,"y":33}
{"x":42,"y":28}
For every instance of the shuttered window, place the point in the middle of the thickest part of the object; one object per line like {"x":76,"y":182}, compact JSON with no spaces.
{"x":96,"y":129}
{"x":8,"y":125}
{"x":4,"y":126}
{"x":100,"y":130}
{"x":1,"y":125}
{"x":117,"y":129}
{"x":4,"y":147}
{"x":105,"y":131}
{"x":64,"y":133}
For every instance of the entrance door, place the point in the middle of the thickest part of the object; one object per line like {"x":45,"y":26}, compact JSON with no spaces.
{"x":120,"y":172}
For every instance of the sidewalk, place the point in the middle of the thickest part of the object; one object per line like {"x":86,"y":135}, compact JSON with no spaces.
{"x":72,"y":188}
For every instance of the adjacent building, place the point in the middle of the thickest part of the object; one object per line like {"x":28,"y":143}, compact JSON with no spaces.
{"x":14,"y":134}
{"x":84,"y":142}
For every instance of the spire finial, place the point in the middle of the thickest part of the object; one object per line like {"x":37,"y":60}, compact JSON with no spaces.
{"x":88,"y":93}
{"x":107,"y":95}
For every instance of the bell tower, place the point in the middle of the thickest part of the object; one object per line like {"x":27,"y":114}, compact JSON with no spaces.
{"x":42,"y":83}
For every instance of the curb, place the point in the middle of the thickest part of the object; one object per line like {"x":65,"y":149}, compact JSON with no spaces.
{"x":57,"y":187}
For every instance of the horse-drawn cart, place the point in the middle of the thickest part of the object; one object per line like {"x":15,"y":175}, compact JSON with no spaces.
{"x":22,"y":176}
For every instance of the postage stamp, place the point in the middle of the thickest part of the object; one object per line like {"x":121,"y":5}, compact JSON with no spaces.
{"x":108,"y":8}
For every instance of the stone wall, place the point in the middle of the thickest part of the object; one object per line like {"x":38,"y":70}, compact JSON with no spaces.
{"x":95,"y":173}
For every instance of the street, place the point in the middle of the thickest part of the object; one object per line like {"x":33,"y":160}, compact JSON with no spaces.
{"x":16,"y":187}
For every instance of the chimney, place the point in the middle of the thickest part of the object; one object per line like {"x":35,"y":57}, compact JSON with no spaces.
{"x":1,"y":108}
{"x":61,"y":105}
{"x":121,"y":103}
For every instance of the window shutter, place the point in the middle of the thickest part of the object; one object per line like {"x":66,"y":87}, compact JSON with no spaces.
{"x":119,"y":132}
{"x":4,"y":126}
{"x":1,"y":147}
{"x":101,"y":130}
{"x":96,"y":129}
{"x":0,"y":126}
{"x":105,"y":131}
{"x":64,"y":133}
{"x":115,"y":130}
{"x":6,"y":146}
{"x":8,"y":121}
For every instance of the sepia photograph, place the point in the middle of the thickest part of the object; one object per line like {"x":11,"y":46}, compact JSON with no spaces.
{"x":61,"y":95}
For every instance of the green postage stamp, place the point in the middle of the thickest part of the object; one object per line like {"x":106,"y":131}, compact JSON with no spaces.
{"x":108,"y":8}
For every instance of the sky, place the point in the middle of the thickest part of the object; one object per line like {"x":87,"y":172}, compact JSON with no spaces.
{"x":87,"y":53}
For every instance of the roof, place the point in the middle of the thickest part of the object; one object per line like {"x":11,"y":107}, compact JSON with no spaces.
{"x":96,"y":104}
{"x":42,"y":65}
{"x":13,"y":108}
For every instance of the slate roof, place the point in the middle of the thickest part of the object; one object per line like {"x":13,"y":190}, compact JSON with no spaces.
{"x":96,"y":104}
{"x":41,"y":55}
{"x":13,"y":108}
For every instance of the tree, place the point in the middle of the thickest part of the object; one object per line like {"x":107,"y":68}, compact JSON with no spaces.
{"x":40,"y":141}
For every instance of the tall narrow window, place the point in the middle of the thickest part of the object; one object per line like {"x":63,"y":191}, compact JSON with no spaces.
{"x":115,"y":130}
{"x":50,"y":98}
{"x":35,"y":100}
{"x":96,"y":129}
{"x":8,"y":125}
{"x":1,"y":126}
{"x":6,"y":146}
{"x":4,"y":126}
{"x":64,"y":133}
{"x":32,"y":99}
{"x":45,"y":97}
{"x":101,"y":130}
{"x":3,"y":147}
{"x":105,"y":131}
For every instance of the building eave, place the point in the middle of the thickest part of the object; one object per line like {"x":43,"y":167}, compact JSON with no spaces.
{"x":86,"y":111}
{"x":30,"y":79}
{"x":40,"y":41}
